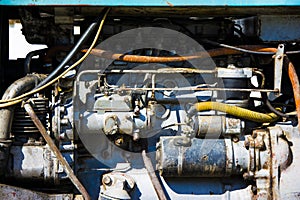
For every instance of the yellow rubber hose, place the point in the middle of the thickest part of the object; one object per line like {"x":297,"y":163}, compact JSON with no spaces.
{"x":236,"y":111}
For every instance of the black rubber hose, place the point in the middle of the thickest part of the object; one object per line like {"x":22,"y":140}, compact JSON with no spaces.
{"x":271,"y":108}
{"x":74,"y":50}
{"x":15,"y":89}
{"x":28,"y":59}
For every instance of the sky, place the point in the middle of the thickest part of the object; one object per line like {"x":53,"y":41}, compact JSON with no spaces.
{"x":18,"y":46}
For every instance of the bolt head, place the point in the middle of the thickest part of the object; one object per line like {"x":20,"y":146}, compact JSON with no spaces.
{"x":106,"y":180}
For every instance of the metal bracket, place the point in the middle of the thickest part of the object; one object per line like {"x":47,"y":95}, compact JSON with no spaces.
{"x":278,"y":63}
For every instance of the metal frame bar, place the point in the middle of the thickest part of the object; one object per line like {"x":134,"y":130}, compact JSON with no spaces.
{"x":164,"y":3}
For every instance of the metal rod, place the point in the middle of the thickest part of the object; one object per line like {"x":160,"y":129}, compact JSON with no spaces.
{"x":156,"y":184}
{"x":163,"y":71}
{"x":200,"y":89}
{"x":56,"y":152}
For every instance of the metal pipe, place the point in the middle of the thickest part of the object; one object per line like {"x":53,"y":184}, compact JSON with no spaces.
{"x":29,"y":56}
{"x":198,"y":55}
{"x":156,"y":184}
{"x":56,"y":151}
{"x":233,"y":110}
{"x":162,"y":71}
{"x":200,"y":89}
{"x":18,"y":87}
{"x":295,"y":85}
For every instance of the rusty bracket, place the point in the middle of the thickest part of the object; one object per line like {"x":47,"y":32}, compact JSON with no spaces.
{"x":278,"y":63}
{"x":56,"y":151}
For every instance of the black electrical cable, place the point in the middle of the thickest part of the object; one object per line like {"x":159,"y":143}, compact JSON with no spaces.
{"x":277,"y":112}
{"x":74,"y":50}
{"x":292,"y":52}
{"x":271,"y":108}
{"x":244,"y":50}
{"x":235,"y":48}
{"x":265,"y":98}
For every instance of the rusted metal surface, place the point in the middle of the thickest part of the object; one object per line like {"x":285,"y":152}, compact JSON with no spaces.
{"x":16,"y":193}
{"x":296,"y":88}
{"x":56,"y":151}
{"x":156,"y":184}
{"x":268,"y":155}
{"x":279,"y":153}
{"x":152,"y":59}
{"x":260,"y":163}
{"x":203,"y":158}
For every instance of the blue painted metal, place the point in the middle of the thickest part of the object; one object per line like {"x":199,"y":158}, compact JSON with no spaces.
{"x":279,"y":28}
{"x":154,"y":2}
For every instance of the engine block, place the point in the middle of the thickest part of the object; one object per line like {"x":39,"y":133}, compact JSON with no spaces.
{"x":170,"y":105}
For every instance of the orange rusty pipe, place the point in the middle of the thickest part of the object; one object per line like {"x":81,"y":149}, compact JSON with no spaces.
{"x":153,"y":59}
{"x":295,"y":85}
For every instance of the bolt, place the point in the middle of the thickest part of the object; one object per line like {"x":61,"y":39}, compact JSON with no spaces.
{"x":119,"y":141}
{"x":106,"y":180}
{"x":205,"y":157}
{"x":235,"y":139}
{"x":279,"y":57}
{"x":136,"y":135}
{"x":246,"y":176}
{"x":62,"y":109}
{"x":136,"y":110}
{"x":126,"y":99}
{"x":64,"y":121}
{"x":254,"y":189}
{"x":247,"y":143}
